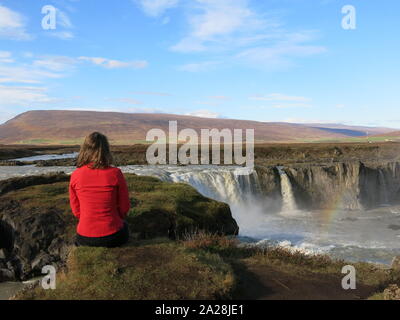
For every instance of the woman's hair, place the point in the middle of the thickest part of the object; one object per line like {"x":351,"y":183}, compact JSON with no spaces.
{"x":95,"y":151}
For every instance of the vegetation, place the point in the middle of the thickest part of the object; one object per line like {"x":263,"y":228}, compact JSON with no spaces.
{"x":207,"y":266}
{"x":141,"y":271}
{"x":170,"y":210}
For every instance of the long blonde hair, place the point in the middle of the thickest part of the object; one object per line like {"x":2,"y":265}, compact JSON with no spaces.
{"x":95,"y":152}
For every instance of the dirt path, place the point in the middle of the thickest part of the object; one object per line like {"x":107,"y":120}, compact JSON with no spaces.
{"x":267,"y":283}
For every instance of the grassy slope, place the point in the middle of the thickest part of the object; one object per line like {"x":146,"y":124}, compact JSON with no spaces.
{"x":148,"y":271}
{"x":205,"y":266}
{"x":39,"y":127}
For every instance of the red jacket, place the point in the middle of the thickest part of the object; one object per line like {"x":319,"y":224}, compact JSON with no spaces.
{"x":99,"y":198}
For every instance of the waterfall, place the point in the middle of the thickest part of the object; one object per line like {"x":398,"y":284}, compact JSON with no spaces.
{"x":237,"y":186}
{"x":288,"y":200}
{"x":233,"y":186}
{"x":383,"y":191}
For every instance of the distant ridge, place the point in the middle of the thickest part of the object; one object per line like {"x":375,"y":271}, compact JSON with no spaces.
{"x":69,"y":127}
{"x":393,"y":134}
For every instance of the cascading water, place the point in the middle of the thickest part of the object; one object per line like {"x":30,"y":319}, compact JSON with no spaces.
{"x":233,"y":186}
{"x":288,"y":199}
{"x":237,"y":186}
{"x":384,"y":197}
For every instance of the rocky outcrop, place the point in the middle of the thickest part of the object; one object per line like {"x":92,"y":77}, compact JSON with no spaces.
{"x":38,"y":229}
{"x":20,"y":183}
{"x":31,"y":236}
{"x":392,"y":292}
{"x":347,"y":185}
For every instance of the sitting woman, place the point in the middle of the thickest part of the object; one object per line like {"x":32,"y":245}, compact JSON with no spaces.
{"x":99,"y":196}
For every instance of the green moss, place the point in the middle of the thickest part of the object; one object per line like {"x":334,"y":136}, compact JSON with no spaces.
{"x":171,"y":209}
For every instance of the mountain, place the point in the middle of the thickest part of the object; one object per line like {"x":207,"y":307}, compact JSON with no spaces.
{"x":352,"y":131}
{"x":69,"y":127}
{"x":391,"y":134}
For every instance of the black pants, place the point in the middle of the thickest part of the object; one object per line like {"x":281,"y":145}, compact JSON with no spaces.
{"x":114,"y":240}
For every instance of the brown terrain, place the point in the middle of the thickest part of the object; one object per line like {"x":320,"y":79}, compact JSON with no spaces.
{"x":69,"y":127}
{"x":390,"y":134}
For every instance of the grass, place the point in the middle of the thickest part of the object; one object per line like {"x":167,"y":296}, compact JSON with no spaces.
{"x":199,"y":266}
{"x":140,"y":272}
{"x":172,"y":209}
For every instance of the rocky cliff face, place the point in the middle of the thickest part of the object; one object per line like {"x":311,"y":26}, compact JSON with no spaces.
{"x":348,"y":185}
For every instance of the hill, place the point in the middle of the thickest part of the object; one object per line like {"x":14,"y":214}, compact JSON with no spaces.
{"x":69,"y":127}
{"x":394,"y":134}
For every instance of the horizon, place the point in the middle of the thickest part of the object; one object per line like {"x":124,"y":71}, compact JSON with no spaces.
{"x":276,"y":61}
{"x":310,"y":124}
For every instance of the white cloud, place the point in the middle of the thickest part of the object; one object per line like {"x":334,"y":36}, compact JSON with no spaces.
{"x":25,"y":74}
{"x":204,"y":114}
{"x":55,"y":63}
{"x":6,"y":57}
{"x":63,"y":20}
{"x":10,"y":95}
{"x":212,"y":22}
{"x":12,"y":25}
{"x":244,"y":36}
{"x":156,"y":8}
{"x":143,"y":110}
{"x":279,"y":55}
{"x":115,"y":64}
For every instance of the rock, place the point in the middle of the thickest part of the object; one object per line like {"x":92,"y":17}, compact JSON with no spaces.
{"x":392,"y":292}
{"x":23,"y":182}
{"x":396,"y":263}
{"x":355,"y":185}
{"x":6,"y":275}
{"x":2,"y":254}
{"x":40,"y":261}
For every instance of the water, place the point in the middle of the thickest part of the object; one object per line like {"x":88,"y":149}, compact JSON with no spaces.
{"x":384,"y":197}
{"x":7,"y":172}
{"x":8,"y":289}
{"x":288,"y":201}
{"x":48,"y":157}
{"x":372,"y":235}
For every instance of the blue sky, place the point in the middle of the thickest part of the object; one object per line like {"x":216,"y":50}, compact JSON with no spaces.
{"x":269,"y":60}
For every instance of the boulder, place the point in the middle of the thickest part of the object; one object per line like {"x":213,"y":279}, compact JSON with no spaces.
{"x":396,"y":263}
{"x":392,"y":292}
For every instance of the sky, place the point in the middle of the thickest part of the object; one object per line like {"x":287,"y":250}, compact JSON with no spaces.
{"x":264,"y":60}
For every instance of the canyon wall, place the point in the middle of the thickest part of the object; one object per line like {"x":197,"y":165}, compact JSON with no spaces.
{"x":349,"y":185}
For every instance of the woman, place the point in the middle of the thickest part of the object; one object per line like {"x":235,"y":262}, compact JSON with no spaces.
{"x":99,"y":196}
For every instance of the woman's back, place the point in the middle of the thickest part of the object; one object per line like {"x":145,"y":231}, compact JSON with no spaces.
{"x":99,"y":198}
